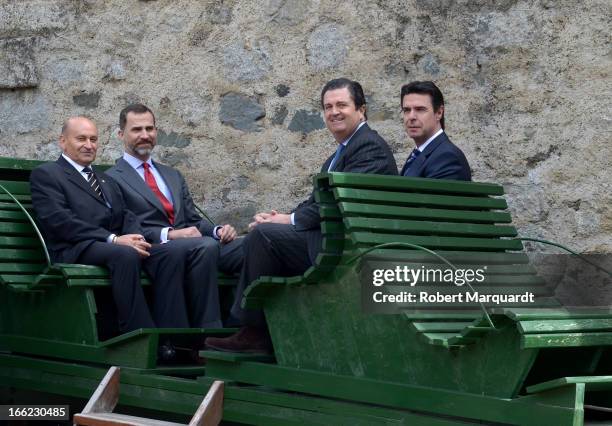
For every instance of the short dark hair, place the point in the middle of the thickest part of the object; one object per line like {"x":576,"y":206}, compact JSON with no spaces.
{"x":424,"y":88}
{"x":136,"y":109}
{"x":353,"y":87}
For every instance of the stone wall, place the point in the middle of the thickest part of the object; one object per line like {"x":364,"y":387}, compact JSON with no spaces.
{"x":235,"y":86}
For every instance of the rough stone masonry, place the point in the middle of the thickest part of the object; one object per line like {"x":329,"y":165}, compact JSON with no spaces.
{"x":235,"y":86}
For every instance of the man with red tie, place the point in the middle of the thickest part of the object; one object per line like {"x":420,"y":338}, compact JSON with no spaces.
{"x":159,"y":197}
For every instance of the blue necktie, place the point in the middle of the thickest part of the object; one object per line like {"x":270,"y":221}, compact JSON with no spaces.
{"x":335,"y":159}
{"x":413,"y":155}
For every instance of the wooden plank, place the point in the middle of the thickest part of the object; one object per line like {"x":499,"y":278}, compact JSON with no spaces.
{"x":116,"y":419}
{"x":523,"y":314}
{"x":564,"y":325}
{"x":20,"y":228}
{"x":455,"y":243}
{"x":456,"y":257}
{"x":22,"y":268}
{"x":427,"y":227}
{"x":15,"y":187}
{"x":564,"y":340}
{"x":106,"y":395}
{"x":21,"y":255}
{"x":443,"y":186}
{"x":409,"y":199}
{"x":210,"y":411}
{"x":441,"y":327}
{"x":13,"y":216}
{"x":19,"y":242}
{"x":390,"y":211}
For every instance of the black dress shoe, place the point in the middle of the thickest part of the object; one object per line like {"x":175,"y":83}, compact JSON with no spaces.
{"x":166,"y":353}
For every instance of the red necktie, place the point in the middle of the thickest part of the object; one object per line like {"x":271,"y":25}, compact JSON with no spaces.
{"x":150,"y":181}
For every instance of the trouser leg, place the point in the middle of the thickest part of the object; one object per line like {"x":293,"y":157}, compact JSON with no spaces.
{"x":269,"y":249}
{"x":124,"y":265}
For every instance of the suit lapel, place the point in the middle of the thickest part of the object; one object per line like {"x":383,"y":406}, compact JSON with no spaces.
{"x":133,"y":179}
{"x":173,"y":184}
{"x":78,"y":180}
{"x":104,"y":186}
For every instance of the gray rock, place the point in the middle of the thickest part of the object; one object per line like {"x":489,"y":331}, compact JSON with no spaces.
{"x":281,"y":90}
{"x":429,"y":64}
{"x":327,"y":47}
{"x":48,"y":151}
{"x":63,"y":71}
{"x":280,"y":113}
{"x":288,"y":12}
{"x":24,"y":111}
{"x":218,"y":13}
{"x":17,"y":65}
{"x":241,"y":112}
{"x":172,"y":139}
{"x":27,"y":17}
{"x":306,"y":121}
{"x":87,"y":100}
{"x":247,"y":63}
{"x":116,"y":70}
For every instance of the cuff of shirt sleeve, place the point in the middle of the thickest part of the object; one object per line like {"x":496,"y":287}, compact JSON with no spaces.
{"x":214,"y":233}
{"x":293,"y":219}
{"x":163,"y":235}
{"x":110,"y":238}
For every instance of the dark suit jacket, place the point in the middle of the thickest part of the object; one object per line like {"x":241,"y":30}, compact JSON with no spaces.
{"x":147,"y":207}
{"x":366,"y":152}
{"x":441,"y":159}
{"x":72,"y":215}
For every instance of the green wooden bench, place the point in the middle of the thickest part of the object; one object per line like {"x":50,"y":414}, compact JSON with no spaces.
{"x":317,"y":323}
{"x":64,"y":310}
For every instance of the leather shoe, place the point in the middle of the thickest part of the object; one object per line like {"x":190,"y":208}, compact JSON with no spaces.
{"x":250,"y":340}
{"x":166,"y":353}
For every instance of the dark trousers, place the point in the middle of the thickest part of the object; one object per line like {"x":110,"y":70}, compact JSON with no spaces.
{"x":269,"y":249}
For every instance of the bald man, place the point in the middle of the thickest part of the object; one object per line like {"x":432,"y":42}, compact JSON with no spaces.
{"x":85,"y":220}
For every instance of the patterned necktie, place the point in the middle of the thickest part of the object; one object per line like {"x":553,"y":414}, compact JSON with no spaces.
{"x":335,"y":159}
{"x":413,"y":155}
{"x":93,"y":182}
{"x":152,"y":183}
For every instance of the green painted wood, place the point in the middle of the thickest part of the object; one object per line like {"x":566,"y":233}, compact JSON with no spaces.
{"x":11,"y":228}
{"x":389,"y":394}
{"x":23,"y":268}
{"x":560,"y":325}
{"x":18,"y":242}
{"x":525,"y":314}
{"x":12,"y":216}
{"x":16,"y":188}
{"x":456,"y":257}
{"x":443,"y":186}
{"x":432,"y":242}
{"x":441,"y":327}
{"x":593,"y":382}
{"x":9,"y":163}
{"x":428,"y":228}
{"x":409,"y":199}
{"x":390,"y":211}
{"x":562,"y":340}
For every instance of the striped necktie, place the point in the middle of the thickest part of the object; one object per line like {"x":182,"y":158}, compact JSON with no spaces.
{"x":413,"y":155}
{"x":93,"y":182}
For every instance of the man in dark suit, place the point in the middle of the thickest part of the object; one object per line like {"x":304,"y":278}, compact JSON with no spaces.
{"x":435,"y":156}
{"x":287,"y":244}
{"x":85,"y":220}
{"x":159,"y":197}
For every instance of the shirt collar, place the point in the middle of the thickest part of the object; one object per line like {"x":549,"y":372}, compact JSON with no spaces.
{"x":135,"y":162}
{"x":345,"y":143}
{"x":74,"y":164}
{"x":428,"y":141}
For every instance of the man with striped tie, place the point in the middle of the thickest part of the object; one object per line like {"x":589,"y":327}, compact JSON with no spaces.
{"x":287,"y":244}
{"x":434,"y":156}
{"x":85,"y":220}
